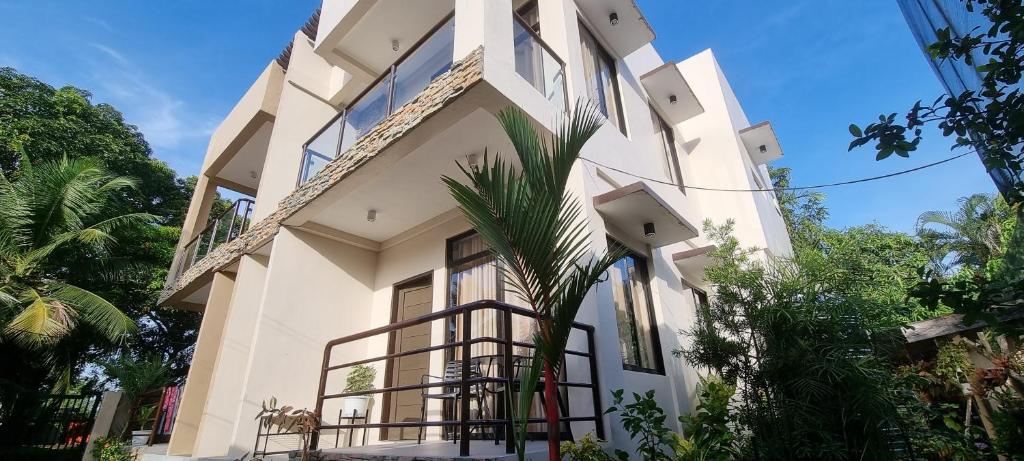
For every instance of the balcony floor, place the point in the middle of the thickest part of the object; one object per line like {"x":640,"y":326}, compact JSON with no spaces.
{"x":482,"y":450}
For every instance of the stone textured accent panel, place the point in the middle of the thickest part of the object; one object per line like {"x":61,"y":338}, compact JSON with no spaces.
{"x":442,"y":91}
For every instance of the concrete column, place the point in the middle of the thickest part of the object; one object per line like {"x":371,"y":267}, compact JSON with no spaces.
{"x":103,"y":424}
{"x":200,"y":372}
{"x":487,"y":24}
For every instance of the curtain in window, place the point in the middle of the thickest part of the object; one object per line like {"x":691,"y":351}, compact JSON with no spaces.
{"x":599,"y":71}
{"x":628,"y":277}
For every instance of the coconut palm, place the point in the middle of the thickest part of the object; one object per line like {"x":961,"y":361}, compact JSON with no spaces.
{"x":49,"y":213}
{"x":970,"y":235}
{"x":537,"y":231}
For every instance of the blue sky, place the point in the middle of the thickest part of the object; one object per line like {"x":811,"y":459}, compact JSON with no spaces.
{"x":811,"y":67}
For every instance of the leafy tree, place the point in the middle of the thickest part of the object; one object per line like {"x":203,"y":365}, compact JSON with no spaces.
{"x":536,"y":229}
{"x":972,"y":235}
{"x":50,"y":211}
{"x":797,"y":338}
{"x":48,"y":124}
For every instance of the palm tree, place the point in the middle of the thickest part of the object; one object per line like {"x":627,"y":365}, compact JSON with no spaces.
{"x":971,"y":234}
{"x":537,"y":231}
{"x":47,"y":213}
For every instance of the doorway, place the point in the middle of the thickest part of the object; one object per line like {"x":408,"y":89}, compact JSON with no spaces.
{"x":412,"y":299}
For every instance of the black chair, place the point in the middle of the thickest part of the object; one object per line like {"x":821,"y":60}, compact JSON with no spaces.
{"x":451,"y":393}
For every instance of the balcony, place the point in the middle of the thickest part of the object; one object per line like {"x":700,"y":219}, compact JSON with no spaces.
{"x":225,"y":227}
{"x":485,"y":348}
{"x":538,"y":64}
{"x":404,"y":80}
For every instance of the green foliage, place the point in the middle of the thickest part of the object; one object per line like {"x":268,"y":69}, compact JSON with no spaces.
{"x":645,"y":421}
{"x":798,"y":338}
{"x":587,"y":449}
{"x":988,"y":116}
{"x":360,"y":378}
{"x":111,"y":449}
{"x":144,"y":416}
{"x":707,"y":430}
{"x":952,"y":363}
{"x":538,"y":232}
{"x":970,"y":236}
{"x":1008,"y":421}
{"x":137,"y":377}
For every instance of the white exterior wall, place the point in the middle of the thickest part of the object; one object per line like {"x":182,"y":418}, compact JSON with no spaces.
{"x":312,"y":289}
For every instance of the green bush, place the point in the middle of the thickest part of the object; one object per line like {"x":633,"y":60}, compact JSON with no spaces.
{"x":587,"y":449}
{"x":645,"y":421}
{"x":707,"y":431}
{"x":111,"y":449}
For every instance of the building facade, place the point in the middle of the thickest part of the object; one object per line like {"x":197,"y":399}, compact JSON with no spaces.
{"x":351,"y":251}
{"x":925,"y":17}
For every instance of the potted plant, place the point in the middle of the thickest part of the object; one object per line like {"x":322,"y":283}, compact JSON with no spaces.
{"x":359,"y":379}
{"x":288,"y":420}
{"x":143,"y":417}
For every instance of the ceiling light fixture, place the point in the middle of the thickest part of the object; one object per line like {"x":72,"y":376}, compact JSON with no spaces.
{"x":763,"y":149}
{"x":672,"y":99}
{"x":473,"y":160}
{"x":371,"y":215}
{"x":613,"y":19}
{"x":394,"y":45}
{"x":649,"y":230}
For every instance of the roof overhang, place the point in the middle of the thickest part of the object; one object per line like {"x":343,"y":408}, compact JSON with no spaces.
{"x":671,"y":94}
{"x":692,"y":262}
{"x":630,"y":207}
{"x":628,"y":34}
{"x":761,"y":143}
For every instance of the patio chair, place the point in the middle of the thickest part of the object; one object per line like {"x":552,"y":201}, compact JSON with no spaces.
{"x":451,"y":393}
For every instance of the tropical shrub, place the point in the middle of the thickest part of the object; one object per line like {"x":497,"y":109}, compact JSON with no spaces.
{"x":645,"y":421}
{"x":111,"y":449}
{"x":587,"y":448}
{"x":707,"y":431}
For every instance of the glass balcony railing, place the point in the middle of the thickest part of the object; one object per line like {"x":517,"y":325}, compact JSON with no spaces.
{"x":225,"y":227}
{"x":538,"y":64}
{"x":405,"y":79}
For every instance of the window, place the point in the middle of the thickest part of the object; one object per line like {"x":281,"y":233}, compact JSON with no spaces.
{"x":700,"y":298}
{"x":638,"y":341}
{"x":602,"y":82}
{"x":665,"y":144}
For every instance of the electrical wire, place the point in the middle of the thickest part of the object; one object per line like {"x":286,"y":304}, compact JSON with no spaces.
{"x":819,"y":186}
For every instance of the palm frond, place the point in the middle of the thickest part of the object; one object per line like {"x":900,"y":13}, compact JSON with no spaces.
{"x":95,"y":311}
{"x":40,"y":322}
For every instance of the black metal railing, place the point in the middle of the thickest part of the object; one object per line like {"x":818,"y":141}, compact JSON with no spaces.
{"x":461,"y":349}
{"x":223,"y":228}
{"x":425,"y":60}
{"x":47,"y":426}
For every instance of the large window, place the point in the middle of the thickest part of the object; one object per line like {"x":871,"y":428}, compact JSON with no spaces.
{"x":602,"y":82}
{"x":665,"y":144}
{"x":638,"y":341}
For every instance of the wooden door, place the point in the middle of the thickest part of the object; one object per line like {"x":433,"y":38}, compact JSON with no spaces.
{"x":412,"y":300}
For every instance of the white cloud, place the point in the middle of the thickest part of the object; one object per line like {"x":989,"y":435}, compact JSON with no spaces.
{"x":165,"y":120}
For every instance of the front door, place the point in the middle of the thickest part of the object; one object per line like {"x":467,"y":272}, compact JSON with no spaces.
{"x":412,"y":300}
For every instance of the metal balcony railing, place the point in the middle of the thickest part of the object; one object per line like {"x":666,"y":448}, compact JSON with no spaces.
{"x":225,"y":227}
{"x":406,"y":78}
{"x":497,"y":384}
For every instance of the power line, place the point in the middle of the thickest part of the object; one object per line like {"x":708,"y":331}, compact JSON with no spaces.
{"x":819,"y":186}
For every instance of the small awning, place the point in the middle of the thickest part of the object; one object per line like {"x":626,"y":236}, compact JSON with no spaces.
{"x":630,"y":207}
{"x":693,"y":261}
{"x":761,"y":143}
{"x":620,"y":23}
{"x":671,"y":94}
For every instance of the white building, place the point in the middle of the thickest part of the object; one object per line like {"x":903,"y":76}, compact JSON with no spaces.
{"x":341,"y":143}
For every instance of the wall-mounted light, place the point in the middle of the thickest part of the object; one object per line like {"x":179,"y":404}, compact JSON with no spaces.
{"x":649,"y":230}
{"x":613,"y":19}
{"x":394,"y":45}
{"x":763,"y":149}
{"x":672,"y":99}
{"x":371,"y":215}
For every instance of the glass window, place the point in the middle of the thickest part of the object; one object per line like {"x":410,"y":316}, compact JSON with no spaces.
{"x":633,"y":314}
{"x":665,"y":144}
{"x":700,"y":298}
{"x":602,"y":83}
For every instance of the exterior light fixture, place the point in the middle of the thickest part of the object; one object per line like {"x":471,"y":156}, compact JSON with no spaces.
{"x":394,"y":45}
{"x":252,"y":174}
{"x":473,"y":160}
{"x":649,"y":230}
{"x":613,"y":19}
{"x":672,"y":99}
{"x":371,"y":215}
{"x":763,"y":149}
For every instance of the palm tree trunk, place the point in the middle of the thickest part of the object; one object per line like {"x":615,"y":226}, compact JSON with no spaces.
{"x":551,"y":410}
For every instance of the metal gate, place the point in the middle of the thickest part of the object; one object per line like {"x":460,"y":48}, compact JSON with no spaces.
{"x":54,"y":428}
